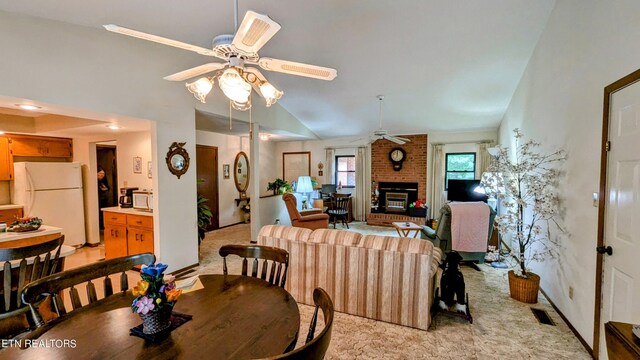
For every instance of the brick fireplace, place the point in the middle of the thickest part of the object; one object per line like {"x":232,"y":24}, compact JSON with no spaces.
{"x":393,"y":186}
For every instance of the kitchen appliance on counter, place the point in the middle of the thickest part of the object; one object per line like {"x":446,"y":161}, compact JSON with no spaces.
{"x":143,"y":200}
{"x":126,"y":197}
{"x":52,"y":192}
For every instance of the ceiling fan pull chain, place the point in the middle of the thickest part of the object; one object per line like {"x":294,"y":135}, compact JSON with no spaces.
{"x":250,"y":120}
{"x":230,"y":126}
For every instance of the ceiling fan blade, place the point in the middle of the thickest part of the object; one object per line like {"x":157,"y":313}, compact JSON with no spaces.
{"x":159,"y":39}
{"x":254,"y":31}
{"x":394,"y":139}
{"x":401,"y":138}
{"x":193,"y":72}
{"x":300,"y":69}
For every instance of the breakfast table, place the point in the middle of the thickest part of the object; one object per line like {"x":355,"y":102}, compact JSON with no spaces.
{"x":234,"y":317}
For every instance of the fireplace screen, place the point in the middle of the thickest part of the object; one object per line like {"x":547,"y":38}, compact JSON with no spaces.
{"x":396,"y":202}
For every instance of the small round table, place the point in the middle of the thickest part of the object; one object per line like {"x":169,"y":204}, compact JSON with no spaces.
{"x":234,"y":316}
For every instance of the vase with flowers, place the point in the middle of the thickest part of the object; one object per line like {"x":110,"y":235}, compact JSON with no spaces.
{"x":525,"y":183}
{"x":418,"y":208}
{"x":156,"y":295}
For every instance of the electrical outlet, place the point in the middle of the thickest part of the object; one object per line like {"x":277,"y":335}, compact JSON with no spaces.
{"x":571,"y":292}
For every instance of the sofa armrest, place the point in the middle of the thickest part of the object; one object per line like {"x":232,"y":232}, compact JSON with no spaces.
{"x":314,"y":217}
{"x":428,"y":232}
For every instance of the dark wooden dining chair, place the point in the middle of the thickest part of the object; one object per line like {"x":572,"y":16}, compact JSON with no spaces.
{"x":53,"y":286}
{"x":340,"y":210}
{"x":20,"y":266}
{"x":279,"y":261}
{"x":315,"y":347}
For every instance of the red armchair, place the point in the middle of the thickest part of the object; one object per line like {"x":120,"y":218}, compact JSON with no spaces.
{"x":315,"y":221}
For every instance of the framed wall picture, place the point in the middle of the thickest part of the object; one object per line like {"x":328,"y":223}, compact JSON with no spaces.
{"x":295,"y":164}
{"x":149,"y":170}
{"x":226,"y":170}
{"x":137,"y":165}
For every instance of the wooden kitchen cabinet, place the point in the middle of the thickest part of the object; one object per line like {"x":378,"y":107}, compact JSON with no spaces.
{"x":40,"y":146}
{"x":127,"y":234}
{"x":8,"y":216}
{"x":6,"y":160}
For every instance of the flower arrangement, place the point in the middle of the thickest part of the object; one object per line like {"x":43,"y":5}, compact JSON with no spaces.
{"x":526,"y":186}
{"x":418,"y":204}
{"x":155,"y":292}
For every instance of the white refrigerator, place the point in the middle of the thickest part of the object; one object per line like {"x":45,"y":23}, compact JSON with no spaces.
{"x":53,"y":192}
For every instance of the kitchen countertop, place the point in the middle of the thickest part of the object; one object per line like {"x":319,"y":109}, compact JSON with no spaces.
{"x":44,"y":230}
{"x":130,"y":211}
{"x":10,"y":206}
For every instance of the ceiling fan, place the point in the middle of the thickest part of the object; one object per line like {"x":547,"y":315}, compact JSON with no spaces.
{"x":234,"y":78}
{"x":382,"y":134}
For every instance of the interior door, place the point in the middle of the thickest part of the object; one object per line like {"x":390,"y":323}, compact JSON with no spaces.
{"x":207,"y":174}
{"x":621,"y":274}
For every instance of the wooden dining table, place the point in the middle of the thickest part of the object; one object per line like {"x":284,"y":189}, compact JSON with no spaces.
{"x":234,"y":317}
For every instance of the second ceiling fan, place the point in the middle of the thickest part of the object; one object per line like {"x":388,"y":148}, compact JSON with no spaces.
{"x":234,"y":78}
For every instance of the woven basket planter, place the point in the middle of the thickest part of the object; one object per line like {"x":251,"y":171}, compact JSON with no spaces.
{"x":524,"y":290}
{"x":154,"y":322}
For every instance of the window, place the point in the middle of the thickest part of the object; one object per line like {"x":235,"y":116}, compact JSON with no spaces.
{"x":459,"y":166}
{"x":346,"y":171}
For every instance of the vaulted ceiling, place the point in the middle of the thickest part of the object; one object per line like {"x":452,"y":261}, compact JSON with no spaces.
{"x":442,"y":65}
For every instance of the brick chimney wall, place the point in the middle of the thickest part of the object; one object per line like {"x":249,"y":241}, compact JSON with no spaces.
{"x":414,"y":168}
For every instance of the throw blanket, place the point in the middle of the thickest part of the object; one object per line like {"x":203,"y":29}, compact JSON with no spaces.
{"x":469,"y":226}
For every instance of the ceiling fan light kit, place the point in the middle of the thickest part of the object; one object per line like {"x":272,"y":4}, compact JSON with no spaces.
{"x":234,"y":79}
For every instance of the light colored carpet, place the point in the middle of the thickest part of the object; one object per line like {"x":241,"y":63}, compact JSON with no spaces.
{"x":502,"y":327}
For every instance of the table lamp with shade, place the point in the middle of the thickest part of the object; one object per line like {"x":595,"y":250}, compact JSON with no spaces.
{"x":305,"y":187}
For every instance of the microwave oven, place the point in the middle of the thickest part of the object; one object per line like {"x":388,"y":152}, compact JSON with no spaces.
{"x":143,"y":200}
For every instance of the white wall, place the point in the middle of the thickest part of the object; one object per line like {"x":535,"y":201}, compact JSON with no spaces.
{"x":586,"y":45}
{"x":128,"y":146}
{"x":343,"y":146}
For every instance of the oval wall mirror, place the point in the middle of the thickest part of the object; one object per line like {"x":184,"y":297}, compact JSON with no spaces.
{"x":241,"y":173}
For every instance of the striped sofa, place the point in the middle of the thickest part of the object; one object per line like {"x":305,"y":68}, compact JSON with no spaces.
{"x":379,"y":277}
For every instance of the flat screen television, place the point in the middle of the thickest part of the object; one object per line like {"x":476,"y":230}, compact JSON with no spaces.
{"x":463,"y":190}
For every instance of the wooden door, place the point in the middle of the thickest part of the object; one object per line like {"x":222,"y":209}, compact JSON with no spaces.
{"x":207,"y":171}
{"x":6,"y":160}
{"x":115,"y":241}
{"x":621,"y":274}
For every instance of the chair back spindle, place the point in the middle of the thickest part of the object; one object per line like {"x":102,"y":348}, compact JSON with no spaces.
{"x":22,"y":265}
{"x":53,"y":285}
{"x":277,"y":259}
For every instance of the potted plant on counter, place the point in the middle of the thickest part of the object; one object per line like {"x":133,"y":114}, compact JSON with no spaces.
{"x":279,"y":186}
{"x":526,"y":185}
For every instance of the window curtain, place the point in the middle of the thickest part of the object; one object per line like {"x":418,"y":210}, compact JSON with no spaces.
{"x":362,"y":199}
{"x":329,"y":174}
{"x":437,"y":181}
{"x":484,"y":159}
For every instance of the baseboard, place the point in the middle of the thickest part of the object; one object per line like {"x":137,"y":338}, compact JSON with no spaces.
{"x":230,"y":225}
{"x":566,"y":321}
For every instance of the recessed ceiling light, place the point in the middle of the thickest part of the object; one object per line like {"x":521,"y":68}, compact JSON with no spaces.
{"x":264,"y":137}
{"x":114,"y":127}
{"x":28,"y":107}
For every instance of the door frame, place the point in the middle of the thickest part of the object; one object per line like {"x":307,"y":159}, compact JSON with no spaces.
{"x":609,"y":90}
